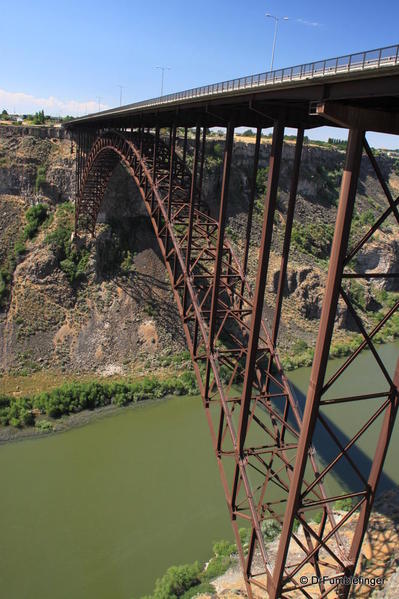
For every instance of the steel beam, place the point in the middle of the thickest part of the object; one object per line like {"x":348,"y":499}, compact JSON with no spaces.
{"x":228,"y":152}
{"x":250,"y":209}
{"x":208,"y":284}
{"x":263,"y":263}
{"x":330,"y":302}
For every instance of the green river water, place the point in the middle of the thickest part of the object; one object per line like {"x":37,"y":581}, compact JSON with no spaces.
{"x":100,"y":511}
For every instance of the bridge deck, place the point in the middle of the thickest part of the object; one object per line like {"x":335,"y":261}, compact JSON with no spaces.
{"x":369,"y":79}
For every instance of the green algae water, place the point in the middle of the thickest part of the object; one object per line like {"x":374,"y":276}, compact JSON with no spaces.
{"x":100,"y":512}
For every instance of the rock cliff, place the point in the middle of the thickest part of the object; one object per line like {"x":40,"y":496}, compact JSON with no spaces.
{"x":107,"y":306}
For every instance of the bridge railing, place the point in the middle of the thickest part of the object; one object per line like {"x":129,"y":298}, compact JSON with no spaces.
{"x":361,"y":61}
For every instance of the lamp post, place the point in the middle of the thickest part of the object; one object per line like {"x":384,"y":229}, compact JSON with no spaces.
{"x":276,"y":20}
{"x":163,"y":69}
{"x":121,"y":88}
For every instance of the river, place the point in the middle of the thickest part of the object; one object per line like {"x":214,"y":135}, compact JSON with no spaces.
{"x":99,"y":512}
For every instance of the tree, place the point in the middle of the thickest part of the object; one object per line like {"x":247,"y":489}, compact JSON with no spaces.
{"x":4,"y":113}
{"x":248,"y":133}
{"x":39,"y":118}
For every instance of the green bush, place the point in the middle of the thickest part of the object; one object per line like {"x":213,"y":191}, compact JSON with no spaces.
{"x":44,"y":426}
{"x":224,"y":548}
{"x":318,"y":516}
{"x":19,"y":248}
{"x":40,"y":178}
{"x":313,"y":238}
{"x":217,"y":566}
{"x":72,"y":260}
{"x":204,"y":587}
{"x":3,"y":288}
{"x":270,"y":530}
{"x":127,"y":264}
{"x":176,"y":581}
{"x":261,"y":181}
{"x":344,"y":504}
{"x":35,"y":216}
{"x":218,"y":150}
{"x":75,"y":397}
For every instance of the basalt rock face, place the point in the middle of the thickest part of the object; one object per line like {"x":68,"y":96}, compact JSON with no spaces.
{"x":116,"y":307}
{"x":121,"y":310}
{"x":22,"y":154}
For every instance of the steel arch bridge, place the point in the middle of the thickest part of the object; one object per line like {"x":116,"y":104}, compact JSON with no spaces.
{"x":263,"y":440}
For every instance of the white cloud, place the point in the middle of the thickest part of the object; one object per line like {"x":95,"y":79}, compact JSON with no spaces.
{"x":309,"y":23}
{"x":23,"y":103}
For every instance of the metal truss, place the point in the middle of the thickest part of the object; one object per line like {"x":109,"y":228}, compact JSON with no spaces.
{"x":263,"y":443}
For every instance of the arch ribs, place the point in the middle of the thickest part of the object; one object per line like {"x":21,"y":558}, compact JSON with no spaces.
{"x":263,"y":443}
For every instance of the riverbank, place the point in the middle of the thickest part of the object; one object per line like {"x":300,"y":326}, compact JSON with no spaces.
{"x":74,"y":403}
{"x":377,"y":563}
{"x":378,"y":560}
{"x":71,"y":421}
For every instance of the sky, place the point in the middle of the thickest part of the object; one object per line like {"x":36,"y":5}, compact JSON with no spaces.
{"x":70,"y":57}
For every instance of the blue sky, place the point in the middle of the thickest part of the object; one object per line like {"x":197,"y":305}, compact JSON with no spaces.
{"x":64,"y":55}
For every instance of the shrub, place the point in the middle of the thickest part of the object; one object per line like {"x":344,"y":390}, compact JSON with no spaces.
{"x":75,"y":397}
{"x":270,"y":530}
{"x":318,"y":516}
{"x":224,"y":548}
{"x":40,"y":178}
{"x":44,"y":425}
{"x":217,"y":566}
{"x":313,"y":238}
{"x":343,"y":504}
{"x":3,"y":288}
{"x":218,"y":150}
{"x":19,"y":248}
{"x":367,"y":217}
{"x":35,"y":216}
{"x":176,"y":581}
{"x":72,"y":260}
{"x":261,"y":181}
{"x":127,"y":262}
{"x":204,"y":587}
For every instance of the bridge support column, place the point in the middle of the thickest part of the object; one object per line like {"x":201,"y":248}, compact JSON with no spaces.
{"x":193,"y":193}
{"x":250,"y":211}
{"x":338,"y":253}
{"x":263,"y":263}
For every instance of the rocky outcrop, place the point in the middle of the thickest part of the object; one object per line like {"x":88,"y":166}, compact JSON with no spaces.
{"x":129,"y":314}
{"x":381,"y":254}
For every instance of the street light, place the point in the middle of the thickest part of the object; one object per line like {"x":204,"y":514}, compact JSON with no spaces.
{"x":121,"y":87}
{"x":163,"y":69}
{"x":276,"y":20}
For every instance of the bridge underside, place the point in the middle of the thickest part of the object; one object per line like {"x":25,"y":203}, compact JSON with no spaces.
{"x":265,"y":442}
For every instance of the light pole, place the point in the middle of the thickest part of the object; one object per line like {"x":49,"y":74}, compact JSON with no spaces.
{"x":276,"y":20}
{"x":163,"y":69}
{"x":121,"y":87}
{"x":99,"y":98}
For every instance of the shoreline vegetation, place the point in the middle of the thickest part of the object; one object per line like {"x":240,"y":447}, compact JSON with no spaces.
{"x":51,"y":402}
{"x":40,"y":412}
{"x":191,"y":580}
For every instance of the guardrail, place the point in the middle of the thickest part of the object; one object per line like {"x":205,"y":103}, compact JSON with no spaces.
{"x":370,"y":59}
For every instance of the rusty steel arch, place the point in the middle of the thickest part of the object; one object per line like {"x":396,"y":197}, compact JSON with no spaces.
{"x":261,"y":438}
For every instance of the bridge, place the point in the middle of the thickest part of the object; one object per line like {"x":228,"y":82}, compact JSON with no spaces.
{"x":262,"y":438}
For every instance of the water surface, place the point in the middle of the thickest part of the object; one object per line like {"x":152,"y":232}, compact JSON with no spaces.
{"x":100,"y":511}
